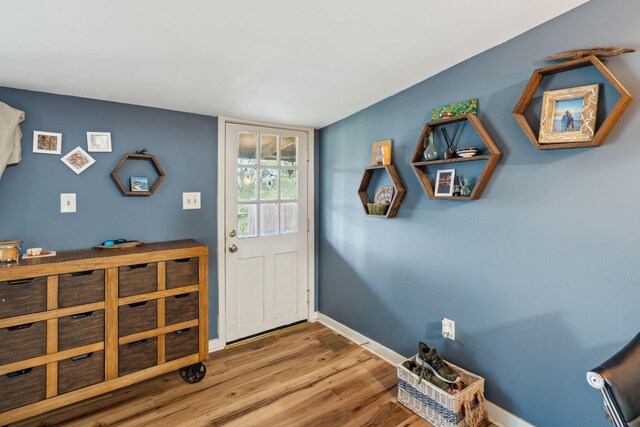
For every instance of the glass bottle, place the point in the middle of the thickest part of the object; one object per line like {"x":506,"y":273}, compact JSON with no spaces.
{"x":431,"y":150}
{"x":467,"y":187}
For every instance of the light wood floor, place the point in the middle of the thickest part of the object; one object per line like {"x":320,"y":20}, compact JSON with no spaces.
{"x":303,"y":376}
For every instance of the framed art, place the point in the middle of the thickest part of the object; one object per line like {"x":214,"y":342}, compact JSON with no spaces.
{"x":384,"y":194}
{"x":139,"y":183}
{"x":381,"y":152}
{"x":99,"y":142}
{"x":456,"y":109}
{"x":444,"y":182}
{"x":568,"y":115}
{"x":78,"y":160}
{"x":47,"y":142}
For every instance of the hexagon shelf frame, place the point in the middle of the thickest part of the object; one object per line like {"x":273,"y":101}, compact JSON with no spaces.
{"x":536,"y":80}
{"x":137,"y":156}
{"x":420,"y":166}
{"x":397,"y":184}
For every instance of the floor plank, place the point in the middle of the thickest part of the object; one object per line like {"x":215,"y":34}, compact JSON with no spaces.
{"x":302,"y":376}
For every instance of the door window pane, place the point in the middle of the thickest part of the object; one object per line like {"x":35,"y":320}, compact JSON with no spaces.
{"x":288,"y":151}
{"x":246,"y":184}
{"x":268,"y":219}
{"x":247,"y":221}
{"x":269,"y":150}
{"x":268,"y":184}
{"x":288,"y":184}
{"x":247,"y":148}
{"x":288,"y":218}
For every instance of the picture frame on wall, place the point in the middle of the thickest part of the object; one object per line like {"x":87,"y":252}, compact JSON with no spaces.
{"x":78,"y":160}
{"x":47,"y":142}
{"x":569,"y":115}
{"x":444,"y":182}
{"x":381,"y":152}
{"x":99,"y":142}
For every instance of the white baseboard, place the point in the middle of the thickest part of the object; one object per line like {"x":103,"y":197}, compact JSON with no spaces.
{"x":313,"y":317}
{"x":496,"y":414}
{"x":215,"y":345}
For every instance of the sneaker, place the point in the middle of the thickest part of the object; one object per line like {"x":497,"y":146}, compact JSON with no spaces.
{"x":442,"y":385}
{"x":410,"y":365}
{"x":436,"y":364}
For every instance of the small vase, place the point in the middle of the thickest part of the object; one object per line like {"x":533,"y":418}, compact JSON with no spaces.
{"x":431,"y":151}
{"x":467,"y":187}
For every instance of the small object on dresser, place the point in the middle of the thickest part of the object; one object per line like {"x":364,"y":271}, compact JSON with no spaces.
{"x":119,"y":244}
{"x":10,"y":250}
{"x":37,"y":253}
{"x":34,"y":251}
{"x":139,"y":183}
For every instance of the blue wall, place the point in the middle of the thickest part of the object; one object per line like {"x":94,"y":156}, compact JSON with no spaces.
{"x":184,"y":144}
{"x":540,"y":274}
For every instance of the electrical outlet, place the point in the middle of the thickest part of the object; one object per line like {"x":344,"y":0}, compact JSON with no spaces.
{"x":190,"y":200}
{"x":67,"y":202}
{"x":449,"y":329}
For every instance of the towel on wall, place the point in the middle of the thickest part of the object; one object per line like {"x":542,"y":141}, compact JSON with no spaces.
{"x":10,"y":136}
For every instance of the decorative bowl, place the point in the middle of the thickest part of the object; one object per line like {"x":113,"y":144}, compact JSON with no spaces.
{"x":467,"y":152}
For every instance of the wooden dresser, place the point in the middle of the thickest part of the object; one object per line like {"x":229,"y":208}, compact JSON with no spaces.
{"x":86,"y":322}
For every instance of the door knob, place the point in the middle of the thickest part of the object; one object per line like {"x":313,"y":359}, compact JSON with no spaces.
{"x":232,"y":233}
{"x":233,"y":249}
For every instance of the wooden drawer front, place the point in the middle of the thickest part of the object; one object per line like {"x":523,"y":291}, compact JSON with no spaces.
{"x":137,"y":356}
{"x":80,"y":371}
{"x":23,"y":297}
{"x":22,"y":387}
{"x":181,"y":308}
{"x":182,"y":272}
{"x":80,"y":329}
{"x":80,"y":288}
{"x":137,"y":279}
{"x":23,"y":342}
{"x":181,"y":343}
{"x":138,"y":317}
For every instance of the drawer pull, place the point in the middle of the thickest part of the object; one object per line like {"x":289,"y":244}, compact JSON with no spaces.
{"x":19,"y":282}
{"x":81,"y":356}
{"x":18,"y":373}
{"x":133,"y":267}
{"x":183,"y":260}
{"x":182,"y":295}
{"x":138,"y":343}
{"x":81,"y":315}
{"x":82,"y":273}
{"x":181,"y":331}
{"x":20,"y":327}
{"x":138,"y":304}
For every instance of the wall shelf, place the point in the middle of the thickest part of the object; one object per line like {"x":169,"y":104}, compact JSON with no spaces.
{"x":536,"y":79}
{"x":420,"y":166}
{"x":144,"y":157}
{"x":398,"y":194}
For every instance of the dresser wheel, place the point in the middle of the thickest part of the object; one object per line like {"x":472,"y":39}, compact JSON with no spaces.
{"x":193,"y":373}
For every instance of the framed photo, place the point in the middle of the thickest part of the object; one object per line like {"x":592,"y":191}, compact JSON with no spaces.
{"x":444,"y":182}
{"x":568,"y":115}
{"x":139,"y":183}
{"x":381,"y":152}
{"x":384,"y":194}
{"x":78,"y":160}
{"x":99,"y":142}
{"x":47,"y":142}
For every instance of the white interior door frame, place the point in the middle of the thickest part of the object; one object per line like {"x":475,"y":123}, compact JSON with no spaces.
{"x":221,"y":230}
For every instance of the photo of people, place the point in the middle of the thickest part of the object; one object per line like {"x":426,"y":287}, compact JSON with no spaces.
{"x":567,"y":116}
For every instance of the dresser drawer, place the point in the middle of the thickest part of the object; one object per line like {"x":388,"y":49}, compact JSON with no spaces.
{"x":80,"y":371}
{"x":23,"y":342}
{"x":80,"y":329}
{"x":137,"y":279}
{"x":137,"y":317}
{"x":80,"y":288}
{"x":22,"y":387}
{"x":181,"y":343}
{"x":18,"y":297}
{"x":181,"y":308}
{"x":182,"y":272}
{"x":137,"y":356}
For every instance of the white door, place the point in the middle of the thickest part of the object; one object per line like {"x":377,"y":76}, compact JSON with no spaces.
{"x":265,"y":229}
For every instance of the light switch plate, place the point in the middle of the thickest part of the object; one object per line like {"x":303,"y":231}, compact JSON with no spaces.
{"x":67,"y":202}
{"x":190,"y":200}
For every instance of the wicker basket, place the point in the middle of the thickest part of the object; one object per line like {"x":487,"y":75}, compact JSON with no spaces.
{"x":465,"y":409}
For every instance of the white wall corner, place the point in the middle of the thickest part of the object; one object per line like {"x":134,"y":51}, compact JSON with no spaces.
{"x":313,"y":316}
{"x":495,"y":414}
{"x":215,"y":345}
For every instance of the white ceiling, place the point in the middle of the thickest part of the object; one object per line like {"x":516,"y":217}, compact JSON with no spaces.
{"x":302,"y":62}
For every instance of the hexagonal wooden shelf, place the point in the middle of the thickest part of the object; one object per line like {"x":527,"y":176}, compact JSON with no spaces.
{"x":138,"y":156}
{"x":535,"y":81}
{"x":493,"y":157}
{"x":398,"y":194}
